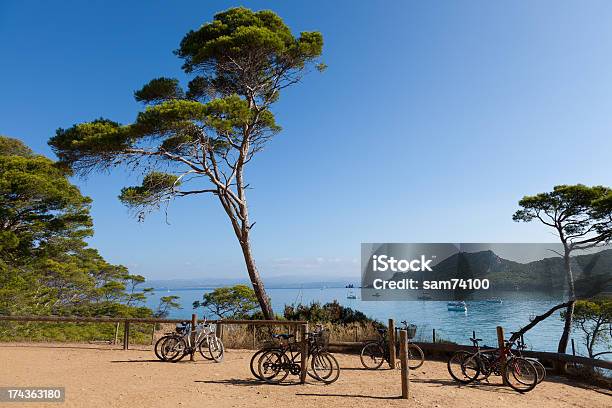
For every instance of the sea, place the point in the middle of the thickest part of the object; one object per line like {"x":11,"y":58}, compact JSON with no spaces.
{"x":480,"y":318}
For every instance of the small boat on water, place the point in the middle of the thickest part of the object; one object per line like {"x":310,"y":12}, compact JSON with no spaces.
{"x":456,"y":306}
{"x":350,"y":294}
{"x":494,"y":301}
{"x":376,"y":294}
{"x":424,"y":297}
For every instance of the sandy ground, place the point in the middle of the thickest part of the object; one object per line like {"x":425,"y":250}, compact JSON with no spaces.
{"x":97,"y":376}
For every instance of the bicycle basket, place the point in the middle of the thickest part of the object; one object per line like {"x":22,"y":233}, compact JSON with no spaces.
{"x":181,"y":328}
{"x":411,"y":331}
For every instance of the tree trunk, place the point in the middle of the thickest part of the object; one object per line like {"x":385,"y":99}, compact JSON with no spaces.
{"x":256,"y":282}
{"x":569,"y":314}
{"x":569,"y":311}
{"x":537,"y":320}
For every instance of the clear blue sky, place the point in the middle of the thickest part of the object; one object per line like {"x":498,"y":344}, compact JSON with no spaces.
{"x":432,"y":120}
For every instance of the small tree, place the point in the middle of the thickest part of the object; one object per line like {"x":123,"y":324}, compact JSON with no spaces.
{"x":207,"y":134}
{"x":581,"y":218}
{"x":236,"y":302}
{"x":594,"y":319}
{"x":166,"y":303}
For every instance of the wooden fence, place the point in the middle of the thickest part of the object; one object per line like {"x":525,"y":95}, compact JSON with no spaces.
{"x":127,"y":321}
{"x":432,"y":350}
{"x":443,"y":350}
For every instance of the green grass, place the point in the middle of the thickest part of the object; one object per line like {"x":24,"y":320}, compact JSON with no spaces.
{"x":73,"y":332}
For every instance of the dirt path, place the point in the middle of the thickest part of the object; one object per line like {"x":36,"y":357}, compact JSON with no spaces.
{"x":103,"y":377}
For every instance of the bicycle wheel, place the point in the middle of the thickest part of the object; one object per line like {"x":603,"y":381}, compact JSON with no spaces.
{"x":520,"y":374}
{"x":158,"y":348}
{"x":325,"y":367}
{"x":309,"y":369}
{"x":273,"y":366}
{"x":203,"y":349}
{"x":463,"y":367}
{"x":216,"y":349}
{"x":254,"y":363}
{"x":372,"y":356}
{"x":416,"y":358}
{"x":540,"y":369}
{"x":173,"y":348}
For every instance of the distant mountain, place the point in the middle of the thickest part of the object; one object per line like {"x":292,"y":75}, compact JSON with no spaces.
{"x":592,"y":272}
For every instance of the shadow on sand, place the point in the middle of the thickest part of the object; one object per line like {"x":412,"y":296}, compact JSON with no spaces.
{"x":235,"y":381}
{"x":378,"y":397}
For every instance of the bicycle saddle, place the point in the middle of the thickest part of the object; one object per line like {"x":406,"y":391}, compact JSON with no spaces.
{"x":283,"y":336}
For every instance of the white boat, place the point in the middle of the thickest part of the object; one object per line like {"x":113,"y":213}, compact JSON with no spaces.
{"x":456,"y":306}
{"x":351,"y":295}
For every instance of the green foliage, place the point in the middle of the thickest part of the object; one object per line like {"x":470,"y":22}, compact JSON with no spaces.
{"x":593,"y":318}
{"x":89,"y":145}
{"x":159,"y":90}
{"x":245,"y":59}
{"x":39,"y":208}
{"x":236,"y":302}
{"x":238,"y":34}
{"x":579,"y":213}
{"x":155,"y":186}
{"x":14,"y":147}
{"x":332,"y":312}
{"x":45,"y":264}
{"x":167,"y":303}
{"x":72,"y":332}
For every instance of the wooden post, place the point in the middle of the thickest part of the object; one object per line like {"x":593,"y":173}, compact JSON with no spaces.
{"x":194,"y":323}
{"x":404,"y":363}
{"x":433,"y":336}
{"x":500,"y":337}
{"x":303,"y":352}
{"x":116,"y":333}
{"x":219,"y":331}
{"x":254,"y":336}
{"x":126,"y":335}
{"x":391,"y":337}
{"x":573,"y":348}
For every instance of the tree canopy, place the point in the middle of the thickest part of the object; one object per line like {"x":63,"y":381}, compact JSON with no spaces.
{"x":197,"y":139}
{"x":594,"y":319}
{"x":46,"y":267}
{"x":238,"y":302}
{"x":580,"y":215}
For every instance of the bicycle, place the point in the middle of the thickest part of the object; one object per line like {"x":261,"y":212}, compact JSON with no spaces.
{"x":375,"y":352}
{"x":517,"y":372}
{"x":540,"y":369}
{"x":277,"y":360}
{"x":175,"y":346}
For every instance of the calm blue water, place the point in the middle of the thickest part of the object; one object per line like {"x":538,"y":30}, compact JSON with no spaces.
{"x":427,"y":315}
